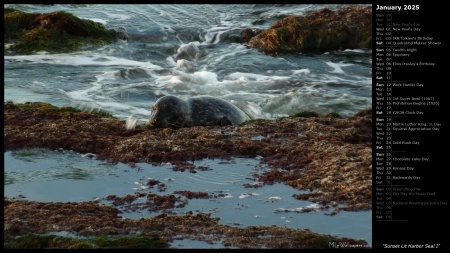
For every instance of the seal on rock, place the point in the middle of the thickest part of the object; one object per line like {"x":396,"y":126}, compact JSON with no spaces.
{"x":174,"y":112}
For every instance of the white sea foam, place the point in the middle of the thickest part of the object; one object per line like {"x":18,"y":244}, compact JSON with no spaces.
{"x":337,"y":67}
{"x":213,"y":35}
{"x":85,"y":59}
{"x":116,"y":16}
{"x":175,"y":80}
{"x":188,"y":51}
{"x":254,"y":111}
{"x":181,"y":65}
{"x":240,"y":77}
{"x":171,"y":61}
{"x":231,"y":51}
{"x":206,"y":77}
{"x":357,"y":50}
{"x":98,"y":20}
{"x":131,"y":122}
{"x":185,"y":64}
{"x":199,"y":80}
{"x":301,"y":71}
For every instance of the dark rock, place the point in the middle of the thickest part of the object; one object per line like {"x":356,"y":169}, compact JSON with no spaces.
{"x":248,"y":33}
{"x":54,"y":32}
{"x":321,"y":31}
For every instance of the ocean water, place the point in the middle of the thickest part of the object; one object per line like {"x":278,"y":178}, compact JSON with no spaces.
{"x":182,"y":50}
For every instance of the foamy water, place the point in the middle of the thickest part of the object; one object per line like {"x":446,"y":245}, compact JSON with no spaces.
{"x":182,"y":50}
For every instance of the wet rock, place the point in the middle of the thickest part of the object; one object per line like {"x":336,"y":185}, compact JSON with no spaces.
{"x":329,"y":156}
{"x":249,"y":33}
{"x":320,"y":31}
{"x":28,"y":218}
{"x":55,"y":32}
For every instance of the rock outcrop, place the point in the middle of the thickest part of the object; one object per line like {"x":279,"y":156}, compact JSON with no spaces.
{"x":321,"y":31}
{"x":55,"y":32}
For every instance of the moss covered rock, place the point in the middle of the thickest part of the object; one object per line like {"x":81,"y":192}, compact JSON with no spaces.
{"x":55,"y":32}
{"x":324,"y":30}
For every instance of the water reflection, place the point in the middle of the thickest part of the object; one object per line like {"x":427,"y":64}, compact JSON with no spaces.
{"x":46,"y":175}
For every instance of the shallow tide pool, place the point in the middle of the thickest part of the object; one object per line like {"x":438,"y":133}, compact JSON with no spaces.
{"x":65,"y":176}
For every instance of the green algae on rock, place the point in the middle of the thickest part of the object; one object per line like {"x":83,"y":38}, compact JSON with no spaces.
{"x":55,"y":32}
{"x":47,"y":241}
{"x":306,"y":114}
{"x":40,"y":107}
{"x":320,"y":31}
{"x":27,"y":224}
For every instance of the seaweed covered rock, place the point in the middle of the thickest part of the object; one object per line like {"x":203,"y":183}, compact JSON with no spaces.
{"x":328,"y":157}
{"x":248,"y":33}
{"x":55,"y":32}
{"x":27,"y":224}
{"x":324,"y":30}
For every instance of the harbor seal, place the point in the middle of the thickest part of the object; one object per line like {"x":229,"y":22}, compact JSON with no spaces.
{"x":174,"y":112}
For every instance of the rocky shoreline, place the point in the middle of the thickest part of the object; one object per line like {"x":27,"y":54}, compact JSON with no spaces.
{"x":33,"y":219}
{"x":328,"y":156}
{"x":316,"y":32}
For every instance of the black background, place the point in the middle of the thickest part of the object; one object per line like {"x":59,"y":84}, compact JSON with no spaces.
{"x":414,"y":224}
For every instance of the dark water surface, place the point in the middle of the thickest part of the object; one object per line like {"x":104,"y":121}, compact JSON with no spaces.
{"x":45,"y":175}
